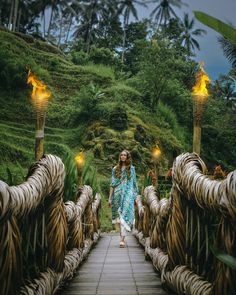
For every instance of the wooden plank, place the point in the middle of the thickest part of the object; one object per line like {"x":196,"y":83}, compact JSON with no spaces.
{"x":110,"y":270}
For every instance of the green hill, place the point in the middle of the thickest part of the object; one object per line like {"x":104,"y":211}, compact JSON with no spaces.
{"x":95,"y":108}
{"x":89,"y":109}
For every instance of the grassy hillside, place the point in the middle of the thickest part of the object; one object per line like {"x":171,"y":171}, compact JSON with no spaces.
{"x":84,"y":99}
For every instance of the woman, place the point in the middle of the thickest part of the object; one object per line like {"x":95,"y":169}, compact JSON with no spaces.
{"x":123,"y":192}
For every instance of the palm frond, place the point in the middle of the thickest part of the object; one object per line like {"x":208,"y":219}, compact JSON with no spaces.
{"x":227,"y":31}
{"x":198,"y":32}
{"x":229,"y":50}
{"x":194,"y":43}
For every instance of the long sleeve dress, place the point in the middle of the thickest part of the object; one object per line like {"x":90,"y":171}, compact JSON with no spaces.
{"x":123,"y":197}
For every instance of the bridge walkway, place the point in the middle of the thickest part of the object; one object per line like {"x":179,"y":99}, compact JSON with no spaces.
{"x":110,"y":270}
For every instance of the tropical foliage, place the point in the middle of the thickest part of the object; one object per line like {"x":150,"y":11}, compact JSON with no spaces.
{"x":100,"y":64}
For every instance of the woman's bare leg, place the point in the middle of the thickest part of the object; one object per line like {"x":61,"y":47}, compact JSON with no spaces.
{"x":122,"y":233}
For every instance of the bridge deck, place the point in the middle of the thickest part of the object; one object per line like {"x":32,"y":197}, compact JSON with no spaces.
{"x":110,"y":270}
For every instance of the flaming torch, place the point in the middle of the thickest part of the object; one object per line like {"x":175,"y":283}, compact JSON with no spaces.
{"x":199,"y":95}
{"x":40,"y":96}
{"x":156,"y":153}
{"x":80,"y":161}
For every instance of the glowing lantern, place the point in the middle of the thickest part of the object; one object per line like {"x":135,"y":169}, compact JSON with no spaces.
{"x":80,"y":159}
{"x":156,"y":152}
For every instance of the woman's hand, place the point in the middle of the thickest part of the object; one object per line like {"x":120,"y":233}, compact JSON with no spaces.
{"x":109,"y":203}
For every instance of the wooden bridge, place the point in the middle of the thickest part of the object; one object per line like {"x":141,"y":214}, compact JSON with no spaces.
{"x":117,"y":271}
{"x":44,"y":240}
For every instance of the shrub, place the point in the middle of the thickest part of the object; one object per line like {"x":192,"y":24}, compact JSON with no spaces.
{"x":89,"y":97}
{"x":102,"y":56}
{"x":79,"y":57}
{"x":122,"y":92}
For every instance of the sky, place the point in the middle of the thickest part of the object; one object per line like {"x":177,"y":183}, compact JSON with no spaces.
{"x":210,"y":51}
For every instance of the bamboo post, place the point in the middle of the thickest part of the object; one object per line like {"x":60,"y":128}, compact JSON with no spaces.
{"x":198,"y":106}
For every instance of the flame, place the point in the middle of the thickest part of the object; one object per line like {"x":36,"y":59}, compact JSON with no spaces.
{"x":80,"y":159}
{"x":156,"y":152}
{"x":200,"y":88}
{"x":39,"y":92}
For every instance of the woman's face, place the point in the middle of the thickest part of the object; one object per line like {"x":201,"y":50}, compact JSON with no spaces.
{"x":123,"y":156}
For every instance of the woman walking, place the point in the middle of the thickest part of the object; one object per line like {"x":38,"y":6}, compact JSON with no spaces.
{"x":123,"y":193}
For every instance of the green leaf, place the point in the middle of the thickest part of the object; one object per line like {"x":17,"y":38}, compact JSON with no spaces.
{"x":224,"y":29}
{"x":225,"y":258}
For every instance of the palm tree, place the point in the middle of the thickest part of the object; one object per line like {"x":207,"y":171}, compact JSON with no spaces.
{"x":109,"y":30}
{"x":228,"y":34}
{"x":164,"y":11}
{"x":72,"y":11}
{"x":91,"y":15}
{"x":127,"y":7}
{"x":53,"y":4}
{"x":188,"y":32}
{"x":88,"y":20}
{"x":224,"y":88}
{"x":19,"y":13}
{"x":229,"y":50}
{"x":13,"y":15}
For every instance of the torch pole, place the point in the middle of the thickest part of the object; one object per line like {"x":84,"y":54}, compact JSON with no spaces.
{"x":197,"y":139}
{"x":39,"y":134}
{"x":198,"y":105}
{"x":39,"y":144}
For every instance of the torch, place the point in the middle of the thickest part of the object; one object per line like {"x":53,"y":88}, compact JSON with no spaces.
{"x":199,"y":95}
{"x":80,"y":161}
{"x":156,"y":153}
{"x":40,"y":96}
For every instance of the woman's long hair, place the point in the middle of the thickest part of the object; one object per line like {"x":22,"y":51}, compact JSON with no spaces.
{"x":128,"y":163}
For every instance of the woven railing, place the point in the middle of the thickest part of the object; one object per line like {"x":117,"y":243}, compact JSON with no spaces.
{"x":43,"y":239}
{"x":178,"y":233}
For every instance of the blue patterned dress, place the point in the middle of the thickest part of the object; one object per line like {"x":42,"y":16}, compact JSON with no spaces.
{"x":123,"y":197}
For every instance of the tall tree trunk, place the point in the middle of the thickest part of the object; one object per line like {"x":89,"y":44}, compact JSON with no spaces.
{"x":50,"y":22}
{"x":89,"y":38}
{"x":126,"y":22}
{"x":44,"y":24}
{"x":60,"y":32}
{"x":69,"y":27}
{"x":18,"y":20}
{"x":1,"y":14}
{"x":15,"y":15}
{"x":10,"y":16}
{"x":88,"y":41}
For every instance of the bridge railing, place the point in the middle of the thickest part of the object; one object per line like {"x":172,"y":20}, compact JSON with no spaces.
{"x":43,"y":239}
{"x":178,"y":233}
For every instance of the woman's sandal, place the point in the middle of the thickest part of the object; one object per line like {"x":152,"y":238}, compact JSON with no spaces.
{"x":122,"y":244}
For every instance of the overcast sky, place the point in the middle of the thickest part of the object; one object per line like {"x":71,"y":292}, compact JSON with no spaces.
{"x":211,"y":52}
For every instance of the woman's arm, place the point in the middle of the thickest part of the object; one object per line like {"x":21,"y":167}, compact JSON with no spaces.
{"x":112,"y":184}
{"x":111,"y":192}
{"x":135,"y":183}
{"x":110,"y":196}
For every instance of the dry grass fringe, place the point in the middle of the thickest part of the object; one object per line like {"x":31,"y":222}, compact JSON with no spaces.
{"x":44,"y":187}
{"x":168,"y":226}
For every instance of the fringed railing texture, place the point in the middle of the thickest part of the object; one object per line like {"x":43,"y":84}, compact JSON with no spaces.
{"x":177,"y":233}
{"x":43,"y":239}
